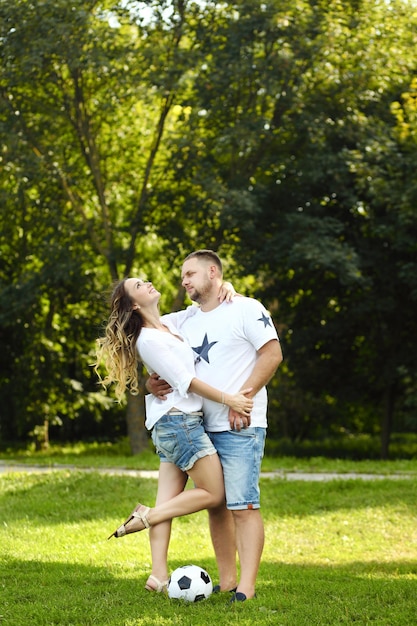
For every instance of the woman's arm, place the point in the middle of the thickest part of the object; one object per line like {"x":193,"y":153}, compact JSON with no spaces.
{"x":233,"y":401}
{"x":161,"y":358}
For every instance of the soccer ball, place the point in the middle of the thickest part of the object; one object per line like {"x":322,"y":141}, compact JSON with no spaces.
{"x":190,"y":583}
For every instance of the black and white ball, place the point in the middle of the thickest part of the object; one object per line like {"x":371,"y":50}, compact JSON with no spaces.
{"x":191,"y":583}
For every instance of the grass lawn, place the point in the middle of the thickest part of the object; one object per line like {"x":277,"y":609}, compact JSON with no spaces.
{"x":338,"y":552}
{"x":110,"y":455}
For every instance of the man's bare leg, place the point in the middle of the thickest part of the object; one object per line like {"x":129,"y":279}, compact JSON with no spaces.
{"x":250,"y":538}
{"x":222,"y":530}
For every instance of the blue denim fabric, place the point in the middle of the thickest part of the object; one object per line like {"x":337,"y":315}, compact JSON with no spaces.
{"x":181,"y":439}
{"x":241,"y":456}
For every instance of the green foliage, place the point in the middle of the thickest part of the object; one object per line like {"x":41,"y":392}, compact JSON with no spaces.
{"x":76,"y":203}
{"x":343,"y":446}
{"x":343,"y":453}
{"x":281,"y":135}
{"x":331,"y":246}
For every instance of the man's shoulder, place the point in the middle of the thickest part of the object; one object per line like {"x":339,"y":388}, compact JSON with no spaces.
{"x":246,"y":302}
{"x":241,"y":308}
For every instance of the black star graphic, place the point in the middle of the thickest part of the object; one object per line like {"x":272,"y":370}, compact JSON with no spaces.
{"x":203,"y":350}
{"x":266,"y":320}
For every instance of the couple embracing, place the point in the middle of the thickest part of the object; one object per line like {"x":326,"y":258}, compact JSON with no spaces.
{"x":206,"y":410}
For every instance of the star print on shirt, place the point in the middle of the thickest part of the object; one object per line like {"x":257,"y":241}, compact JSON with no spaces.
{"x":266,"y":320}
{"x":203,"y":350}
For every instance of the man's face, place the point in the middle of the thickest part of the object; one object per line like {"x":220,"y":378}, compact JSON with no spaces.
{"x":195,"y":277}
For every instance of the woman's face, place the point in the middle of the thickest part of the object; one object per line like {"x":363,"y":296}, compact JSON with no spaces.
{"x":141,"y":293}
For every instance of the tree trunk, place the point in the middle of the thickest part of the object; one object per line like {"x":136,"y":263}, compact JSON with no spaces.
{"x":135,"y":420}
{"x":178,"y":303}
{"x":387,"y":420}
{"x":45,"y":444}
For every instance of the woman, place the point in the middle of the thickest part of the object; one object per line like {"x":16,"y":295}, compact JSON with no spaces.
{"x":135,"y":332}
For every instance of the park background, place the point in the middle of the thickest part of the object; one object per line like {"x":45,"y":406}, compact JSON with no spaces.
{"x":283,"y":135}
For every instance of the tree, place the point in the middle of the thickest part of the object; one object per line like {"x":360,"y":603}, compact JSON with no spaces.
{"x":80,"y":96}
{"x":308,"y":87}
{"x":70,"y":110}
{"x":136,"y":132}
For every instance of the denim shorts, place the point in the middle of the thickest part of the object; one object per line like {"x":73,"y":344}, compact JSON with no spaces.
{"x":181,"y":439}
{"x":241,"y":456}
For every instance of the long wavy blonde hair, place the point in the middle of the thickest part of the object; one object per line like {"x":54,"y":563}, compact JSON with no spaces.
{"x":117,"y":348}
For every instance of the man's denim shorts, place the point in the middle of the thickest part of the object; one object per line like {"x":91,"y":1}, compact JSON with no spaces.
{"x":181,"y":439}
{"x":241,"y":456}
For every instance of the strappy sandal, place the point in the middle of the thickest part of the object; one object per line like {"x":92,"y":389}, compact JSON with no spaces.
{"x":160,"y":586}
{"x":138,"y":514}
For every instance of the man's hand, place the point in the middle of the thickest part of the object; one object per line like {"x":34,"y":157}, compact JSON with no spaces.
{"x":238,"y":421}
{"x":158,"y":386}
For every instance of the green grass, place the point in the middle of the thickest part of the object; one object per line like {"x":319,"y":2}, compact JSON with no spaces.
{"x":98,"y":455}
{"x":338,"y":552}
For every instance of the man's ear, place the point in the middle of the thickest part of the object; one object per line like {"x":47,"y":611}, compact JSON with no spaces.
{"x":212,"y":271}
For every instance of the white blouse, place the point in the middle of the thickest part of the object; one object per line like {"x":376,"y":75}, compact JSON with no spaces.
{"x":172,"y":358}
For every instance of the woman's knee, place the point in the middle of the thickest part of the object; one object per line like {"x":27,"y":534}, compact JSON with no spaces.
{"x":215,"y":495}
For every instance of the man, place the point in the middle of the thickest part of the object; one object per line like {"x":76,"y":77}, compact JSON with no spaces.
{"x":236,"y":347}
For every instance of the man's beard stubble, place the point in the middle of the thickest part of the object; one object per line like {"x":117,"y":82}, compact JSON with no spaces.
{"x":202,"y":295}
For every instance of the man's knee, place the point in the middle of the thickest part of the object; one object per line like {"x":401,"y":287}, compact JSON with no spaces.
{"x":248,"y":514}
{"x":219,"y":512}
{"x":217,"y":504}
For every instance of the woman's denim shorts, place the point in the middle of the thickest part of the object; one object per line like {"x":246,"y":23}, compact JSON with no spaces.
{"x":181,"y":439}
{"x":241,"y":456}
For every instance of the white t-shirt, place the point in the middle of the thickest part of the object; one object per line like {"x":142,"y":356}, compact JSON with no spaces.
{"x":225,"y":343}
{"x":173,"y":360}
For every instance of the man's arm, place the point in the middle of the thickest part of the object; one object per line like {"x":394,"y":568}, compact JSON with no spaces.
{"x":268,"y":360}
{"x":267,"y":363}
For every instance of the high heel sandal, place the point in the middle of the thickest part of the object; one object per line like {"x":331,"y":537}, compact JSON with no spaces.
{"x":138,"y":514}
{"x":160,"y":586}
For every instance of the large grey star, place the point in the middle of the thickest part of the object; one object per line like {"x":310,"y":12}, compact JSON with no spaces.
{"x":203,"y":350}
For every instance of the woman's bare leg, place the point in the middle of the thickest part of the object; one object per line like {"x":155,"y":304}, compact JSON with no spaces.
{"x":171,"y":482}
{"x":207,"y":475}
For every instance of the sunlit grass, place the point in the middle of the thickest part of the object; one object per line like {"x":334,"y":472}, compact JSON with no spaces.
{"x":339,"y":552}
{"x":112,"y":455}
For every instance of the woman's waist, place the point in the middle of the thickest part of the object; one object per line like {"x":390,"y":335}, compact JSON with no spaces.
{"x":192,"y":402}
{"x":174,"y":411}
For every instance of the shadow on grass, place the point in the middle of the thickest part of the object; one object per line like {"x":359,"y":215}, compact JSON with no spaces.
{"x":60,"y":593}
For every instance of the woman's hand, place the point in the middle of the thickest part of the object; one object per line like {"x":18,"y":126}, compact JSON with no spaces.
{"x":226,"y":292}
{"x":241,"y":405}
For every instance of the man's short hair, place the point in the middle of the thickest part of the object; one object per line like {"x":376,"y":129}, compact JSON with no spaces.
{"x":206,"y":255}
